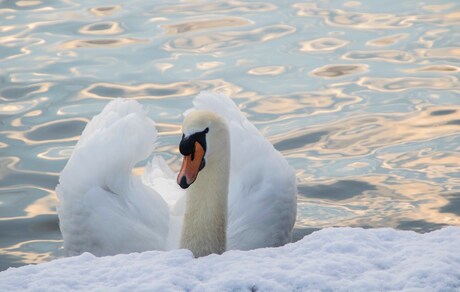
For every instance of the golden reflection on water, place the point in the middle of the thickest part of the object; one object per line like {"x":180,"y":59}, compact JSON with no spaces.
{"x":444,"y":53}
{"x":268,"y":70}
{"x":408,"y":83}
{"x":220,"y":7}
{"x":101,"y":43}
{"x":341,"y":18}
{"x":207,"y":43}
{"x":385,"y":56}
{"x":435,"y":68}
{"x":28,"y":254}
{"x":390,"y":195}
{"x":15,"y":92}
{"x":360,"y":135}
{"x":196,"y":25}
{"x":105,"y":11}
{"x":64,"y":130}
{"x":27,"y":3}
{"x":317,"y":102}
{"x":157,"y":91}
{"x":322,"y":45}
{"x":43,"y":206}
{"x":101,"y":28}
{"x":388,"y":40}
{"x":209,"y":65}
{"x":339,"y":70}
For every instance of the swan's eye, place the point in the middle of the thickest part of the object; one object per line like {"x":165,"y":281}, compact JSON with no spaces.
{"x":187,"y":144}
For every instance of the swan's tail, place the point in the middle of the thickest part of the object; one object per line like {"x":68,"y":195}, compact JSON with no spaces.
{"x":103,"y":208}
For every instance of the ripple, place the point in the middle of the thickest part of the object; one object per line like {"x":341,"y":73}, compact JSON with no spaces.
{"x":436,"y":68}
{"x":419,"y":225}
{"x":392,"y":56}
{"x":362,"y":135}
{"x":298,"y":105}
{"x":32,"y":252}
{"x":440,"y":53}
{"x":388,"y":40}
{"x":352,"y":4}
{"x":26,"y":200}
{"x":25,"y":5}
{"x":105,"y":11}
{"x":8,"y":164}
{"x":101,"y":28}
{"x":62,"y":130}
{"x":267,"y":70}
{"x":12,"y":50}
{"x":216,"y":7}
{"x":407,"y":83}
{"x":334,"y":71}
{"x":357,"y":20}
{"x":438,"y":7}
{"x":39,"y":227}
{"x":206,"y":43}
{"x":322,"y":45}
{"x":340,"y":190}
{"x":16,"y":108}
{"x":197,"y":25}
{"x":434,"y":165}
{"x":101,"y":43}
{"x":28,"y":3}
{"x":453,"y":206}
{"x":209,"y":65}
{"x":300,"y":141}
{"x":157,"y":91}
{"x":443,"y":112}
{"x":56,"y":153}
{"x":22,"y":91}
{"x":18,"y":179}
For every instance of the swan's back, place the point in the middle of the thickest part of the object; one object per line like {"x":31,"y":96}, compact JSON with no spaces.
{"x":103,"y":208}
{"x":262,"y":192}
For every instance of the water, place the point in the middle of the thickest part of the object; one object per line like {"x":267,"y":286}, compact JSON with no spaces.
{"x":361,"y":97}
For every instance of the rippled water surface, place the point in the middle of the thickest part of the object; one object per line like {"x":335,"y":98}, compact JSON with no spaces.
{"x":362,"y":97}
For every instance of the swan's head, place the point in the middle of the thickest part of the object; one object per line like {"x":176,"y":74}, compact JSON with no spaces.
{"x":204,"y":136}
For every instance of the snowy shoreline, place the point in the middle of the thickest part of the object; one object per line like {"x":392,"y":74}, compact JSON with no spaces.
{"x":332,"y":259}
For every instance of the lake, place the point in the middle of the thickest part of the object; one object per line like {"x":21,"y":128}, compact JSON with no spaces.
{"x":362,"y":98}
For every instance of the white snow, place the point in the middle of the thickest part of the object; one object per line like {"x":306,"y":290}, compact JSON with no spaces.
{"x":332,"y":259}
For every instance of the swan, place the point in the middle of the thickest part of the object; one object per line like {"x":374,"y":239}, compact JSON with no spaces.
{"x":233,"y":191}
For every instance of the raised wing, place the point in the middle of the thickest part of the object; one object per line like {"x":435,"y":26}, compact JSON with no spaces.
{"x":103,"y":208}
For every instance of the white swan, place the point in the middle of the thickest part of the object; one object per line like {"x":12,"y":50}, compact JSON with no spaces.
{"x":105,"y":209}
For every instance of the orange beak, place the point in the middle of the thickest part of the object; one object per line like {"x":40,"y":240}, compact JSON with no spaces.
{"x":190,"y":167}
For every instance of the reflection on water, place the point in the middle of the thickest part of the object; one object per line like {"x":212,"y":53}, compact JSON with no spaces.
{"x":362,"y":97}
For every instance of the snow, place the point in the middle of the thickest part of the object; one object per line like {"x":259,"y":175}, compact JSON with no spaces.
{"x":332,"y":259}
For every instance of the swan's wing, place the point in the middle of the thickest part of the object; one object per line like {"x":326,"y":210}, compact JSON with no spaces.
{"x":103,"y":208}
{"x":262,"y":191}
{"x":161,"y":178}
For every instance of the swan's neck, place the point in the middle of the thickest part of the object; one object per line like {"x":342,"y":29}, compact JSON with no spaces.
{"x":205,"y":220}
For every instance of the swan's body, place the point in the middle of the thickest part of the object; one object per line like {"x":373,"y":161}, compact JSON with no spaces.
{"x":105,"y":209}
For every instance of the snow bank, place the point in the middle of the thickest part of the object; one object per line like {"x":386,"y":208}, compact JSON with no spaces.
{"x":333,"y":259}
